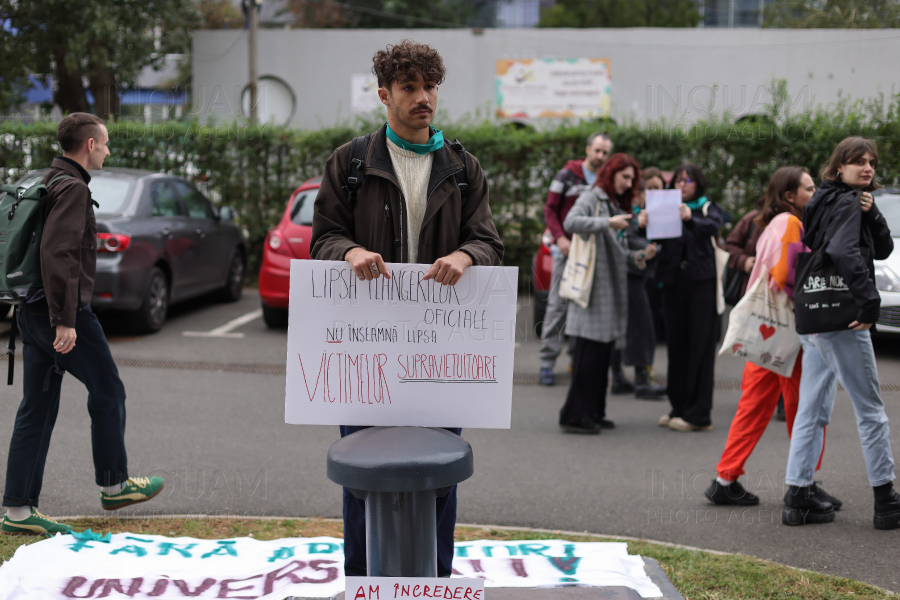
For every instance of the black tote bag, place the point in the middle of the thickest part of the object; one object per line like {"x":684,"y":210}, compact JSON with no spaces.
{"x":822,"y":300}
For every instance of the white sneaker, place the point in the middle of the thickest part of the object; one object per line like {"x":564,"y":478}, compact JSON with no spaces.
{"x":679,"y":424}
{"x":664,"y":421}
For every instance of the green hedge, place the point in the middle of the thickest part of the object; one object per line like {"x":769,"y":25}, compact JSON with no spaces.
{"x":255,"y":169}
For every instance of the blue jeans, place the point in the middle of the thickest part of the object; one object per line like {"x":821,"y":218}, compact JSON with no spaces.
{"x":848,"y":357}
{"x":91,"y":363}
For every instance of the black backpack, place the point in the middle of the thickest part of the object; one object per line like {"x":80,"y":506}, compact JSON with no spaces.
{"x":356,"y":169}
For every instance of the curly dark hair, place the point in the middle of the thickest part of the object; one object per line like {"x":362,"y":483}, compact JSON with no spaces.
{"x":405,"y":62}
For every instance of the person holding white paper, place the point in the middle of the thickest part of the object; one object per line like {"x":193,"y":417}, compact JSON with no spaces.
{"x":597,"y":328}
{"x":779,"y":223}
{"x":419,"y":201}
{"x":687,"y":269}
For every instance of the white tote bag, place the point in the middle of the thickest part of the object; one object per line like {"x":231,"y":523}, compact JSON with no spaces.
{"x":761,"y":329}
{"x":721,"y":257}
{"x":578,"y":275}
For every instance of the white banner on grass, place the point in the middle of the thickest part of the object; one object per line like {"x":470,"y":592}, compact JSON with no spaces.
{"x":400,"y":351}
{"x":150,"y":566}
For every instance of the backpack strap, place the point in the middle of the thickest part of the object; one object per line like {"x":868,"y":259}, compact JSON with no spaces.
{"x":11,"y":346}
{"x":462,"y":178}
{"x":356,"y":168}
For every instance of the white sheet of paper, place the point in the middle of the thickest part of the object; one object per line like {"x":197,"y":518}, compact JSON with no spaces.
{"x":663,"y":214}
{"x":400,"y":351}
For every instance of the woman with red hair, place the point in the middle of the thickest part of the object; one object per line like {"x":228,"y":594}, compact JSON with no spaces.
{"x":604,"y":211}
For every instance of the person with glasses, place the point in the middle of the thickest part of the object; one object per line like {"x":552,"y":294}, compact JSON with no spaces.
{"x":778,"y":222}
{"x":687,"y":270}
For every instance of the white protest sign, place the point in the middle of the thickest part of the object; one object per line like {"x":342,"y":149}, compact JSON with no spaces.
{"x":663,"y":214}
{"x":390,"y":588}
{"x":400,"y":351}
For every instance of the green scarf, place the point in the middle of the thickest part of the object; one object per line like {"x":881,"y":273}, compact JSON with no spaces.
{"x":699,"y":202}
{"x":635,"y":209}
{"x":435,"y":143}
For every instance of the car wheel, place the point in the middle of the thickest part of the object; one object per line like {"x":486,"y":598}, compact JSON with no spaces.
{"x":234,"y":285}
{"x":152,"y":313}
{"x":275,"y":318}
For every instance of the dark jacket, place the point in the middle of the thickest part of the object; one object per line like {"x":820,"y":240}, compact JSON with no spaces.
{"x":377,"y":221}
{"x":634,"y":237}
{"x":565,"y":189}
{"x":741,"y":245}
{"x":856,"y":240}
{"x":69,"y":243}
{"x":693,"y":251}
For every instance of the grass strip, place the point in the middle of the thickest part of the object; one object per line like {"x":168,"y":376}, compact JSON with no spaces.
{"x":696,"y":574}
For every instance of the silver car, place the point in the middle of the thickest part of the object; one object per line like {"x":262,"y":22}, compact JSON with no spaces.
{"x":887,"y":271}
{"x":159,"y":241}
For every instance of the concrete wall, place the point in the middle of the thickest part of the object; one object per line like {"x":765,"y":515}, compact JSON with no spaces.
{"x":654,"y":72}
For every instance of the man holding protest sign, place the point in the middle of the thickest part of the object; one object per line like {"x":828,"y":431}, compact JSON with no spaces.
{"x":402,"y":195}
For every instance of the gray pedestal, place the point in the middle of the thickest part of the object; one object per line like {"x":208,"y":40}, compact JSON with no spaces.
{"x":400,"y":472}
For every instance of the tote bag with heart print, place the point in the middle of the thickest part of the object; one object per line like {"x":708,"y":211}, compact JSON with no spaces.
{"x":761,"y":329}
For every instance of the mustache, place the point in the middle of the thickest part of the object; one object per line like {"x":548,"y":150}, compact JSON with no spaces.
{"x":422,"y":107}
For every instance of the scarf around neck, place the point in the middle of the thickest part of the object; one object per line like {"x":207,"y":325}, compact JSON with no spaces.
{"x":699,"y":202}
{"x":435,"y":143}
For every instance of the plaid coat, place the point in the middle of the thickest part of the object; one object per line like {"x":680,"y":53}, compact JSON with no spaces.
{"x":606,"y":317}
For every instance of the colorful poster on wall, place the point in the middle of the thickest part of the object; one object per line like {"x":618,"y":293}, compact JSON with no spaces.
{"x":542,"y":88}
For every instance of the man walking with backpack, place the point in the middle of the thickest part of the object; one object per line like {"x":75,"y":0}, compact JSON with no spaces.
{"x":401,"y":194}
{"x":60,"y":334}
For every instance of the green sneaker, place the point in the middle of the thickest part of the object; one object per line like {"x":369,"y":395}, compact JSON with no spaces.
{"x":36,"y":524}
{"x":136,"y":489}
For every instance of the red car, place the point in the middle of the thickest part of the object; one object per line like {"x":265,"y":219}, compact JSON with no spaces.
{"x":288,"y":240}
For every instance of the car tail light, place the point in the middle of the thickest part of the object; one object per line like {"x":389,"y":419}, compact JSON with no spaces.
{"x":112,"y":242}
{"x":278,"y":245}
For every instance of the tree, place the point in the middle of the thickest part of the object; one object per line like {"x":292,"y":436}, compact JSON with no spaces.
{"x":840,"y":14}
{"x":107,"y":42}
{"x":383,"y":14}
{"x":13,"y":71}
{"x":621,"y":13}
{"x":219,"y":14}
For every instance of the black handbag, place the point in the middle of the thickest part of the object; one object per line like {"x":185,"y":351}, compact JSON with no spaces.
{"x":822,"y":300}
{"x":733,"y":293}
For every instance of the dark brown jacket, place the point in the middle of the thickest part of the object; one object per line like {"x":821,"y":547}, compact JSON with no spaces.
{"x":68,"y":245}
{"x":741,"y":245}
{"x":377,"y":221}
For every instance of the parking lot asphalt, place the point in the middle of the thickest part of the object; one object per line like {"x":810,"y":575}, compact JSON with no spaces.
{"x":207,"y":413}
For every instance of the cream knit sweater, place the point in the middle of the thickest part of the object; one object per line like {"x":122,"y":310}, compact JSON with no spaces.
{"x":413,"y":170}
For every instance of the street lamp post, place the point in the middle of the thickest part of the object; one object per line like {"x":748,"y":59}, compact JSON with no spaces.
{"x":253,"y":20}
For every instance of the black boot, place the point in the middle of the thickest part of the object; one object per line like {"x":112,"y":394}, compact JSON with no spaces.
{"x":887,"y":507}
{"x":734,"y":493}
{"x":620,"y":385}
{"x":644,"y":388}
{"x":803,"y":507}
{"x":825,"y":496}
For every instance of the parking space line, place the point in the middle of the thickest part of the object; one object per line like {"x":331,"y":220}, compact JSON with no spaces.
{"x":224,"y":331}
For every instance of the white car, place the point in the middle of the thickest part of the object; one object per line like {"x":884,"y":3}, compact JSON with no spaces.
{"x":887,"y":272}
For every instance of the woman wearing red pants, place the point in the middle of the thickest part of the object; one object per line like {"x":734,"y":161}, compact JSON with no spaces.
{"x":779,"y":221}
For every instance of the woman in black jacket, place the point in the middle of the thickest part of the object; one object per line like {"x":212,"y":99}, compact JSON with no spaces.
{"x":842,"y":219}
{"x":687,"y":270}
